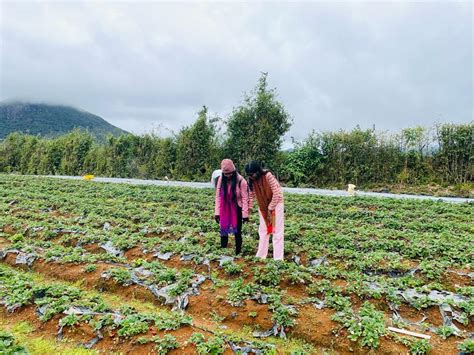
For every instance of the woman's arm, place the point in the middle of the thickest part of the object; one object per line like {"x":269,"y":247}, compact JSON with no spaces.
{"x":276,"y":190}
{"x":245,"y":198}
{"x":217,"y":208}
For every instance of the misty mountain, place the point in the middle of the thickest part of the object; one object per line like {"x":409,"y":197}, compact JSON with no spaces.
{"x":51,"y":120}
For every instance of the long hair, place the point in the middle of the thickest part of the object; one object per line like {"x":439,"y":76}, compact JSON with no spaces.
{"x":233,"y":186}
{"x":255,"y":167}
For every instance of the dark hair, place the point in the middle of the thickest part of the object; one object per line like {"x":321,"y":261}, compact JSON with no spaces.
{"x":233,"y":181}
{"x":255,"y":167}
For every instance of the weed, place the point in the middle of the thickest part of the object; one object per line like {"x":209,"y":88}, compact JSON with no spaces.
{"x":216,"y":317}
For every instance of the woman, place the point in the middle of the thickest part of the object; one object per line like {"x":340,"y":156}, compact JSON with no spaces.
{"x":265,"y":187}
{"x":231,"y":207}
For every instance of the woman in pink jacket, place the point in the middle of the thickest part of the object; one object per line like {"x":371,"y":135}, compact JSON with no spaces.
{"x":266,"y":189}
{"x":231,"y":207}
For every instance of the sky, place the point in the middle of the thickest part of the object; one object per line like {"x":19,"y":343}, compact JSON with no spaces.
{"x":151,"y":65}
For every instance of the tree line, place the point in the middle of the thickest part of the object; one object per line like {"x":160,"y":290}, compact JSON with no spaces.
{"x":254,"y":130}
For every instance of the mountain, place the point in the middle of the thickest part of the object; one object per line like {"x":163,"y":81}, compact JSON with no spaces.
{"x":51,"y":120}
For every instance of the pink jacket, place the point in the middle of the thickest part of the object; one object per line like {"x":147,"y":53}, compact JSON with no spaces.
{"x":242,"y":196}
{"x":276,"y":189}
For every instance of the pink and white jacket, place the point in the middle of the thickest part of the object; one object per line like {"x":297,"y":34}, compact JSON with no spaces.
{"x":276,"y":189}
{"x":241,"y":190}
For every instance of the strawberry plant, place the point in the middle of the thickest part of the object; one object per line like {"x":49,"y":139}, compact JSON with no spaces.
{"x":121,"y":275}
{"x":167,"y":343}
{"x":8,"y":345}
{"x":445,"y":331}
{"x":269,"y":274}
{"x":214,"y":345}
{"x":366,"y":327}
{"x":232,"y":268}
{"x":132,"y":325}
{"x":420,"y":347}
{"x":183,"y":283}
{"x":162,"y":345}
{"x":90,"y":268}
{"x":70,"y":320}
{"x":283,"y":315}
{"x":239,"y":291}
{"x":467,"y":346}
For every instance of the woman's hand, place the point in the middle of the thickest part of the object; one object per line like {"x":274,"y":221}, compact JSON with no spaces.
{"x":217,"y":219}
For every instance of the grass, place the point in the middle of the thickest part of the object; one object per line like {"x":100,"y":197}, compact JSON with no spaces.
{"x":39,"y":345}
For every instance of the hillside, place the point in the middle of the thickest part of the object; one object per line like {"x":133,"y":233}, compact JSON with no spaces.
{"x":50,"y":120}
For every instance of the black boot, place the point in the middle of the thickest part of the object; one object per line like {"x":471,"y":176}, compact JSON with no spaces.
{"x":224,"y":241}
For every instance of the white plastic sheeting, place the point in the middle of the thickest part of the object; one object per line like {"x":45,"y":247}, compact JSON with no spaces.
{"x":322,"y":192}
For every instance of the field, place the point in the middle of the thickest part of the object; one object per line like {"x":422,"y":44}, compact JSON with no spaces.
{"x":91,"y":266}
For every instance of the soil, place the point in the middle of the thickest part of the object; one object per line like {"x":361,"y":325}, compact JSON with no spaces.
{"x":454,"y":280}
{"x":213,"y":302}
{"x":8,"y":230}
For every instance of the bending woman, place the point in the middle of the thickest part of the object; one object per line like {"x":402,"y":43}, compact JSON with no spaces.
{"x":265,"y":187}
{"x":231,"y":205}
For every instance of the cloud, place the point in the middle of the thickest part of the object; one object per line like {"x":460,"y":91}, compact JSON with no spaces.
{"x":147,"y":64}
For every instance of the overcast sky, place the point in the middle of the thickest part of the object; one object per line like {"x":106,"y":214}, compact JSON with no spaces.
{"x":145,"y":65}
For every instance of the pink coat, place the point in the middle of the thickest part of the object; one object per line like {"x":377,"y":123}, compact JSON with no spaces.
{"x":242,"y":193}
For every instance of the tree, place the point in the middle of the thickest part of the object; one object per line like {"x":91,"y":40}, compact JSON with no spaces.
{"x":414,"y":142}
{"x":255,"y":129}
{"x":75,"y":146}
{"x":455,"y":156}
{"x":349,"y":156}
{"x":305,"y":162}
{"x":10,"y":152}
{"x":121,"y":154}
{"x":195,"y":148}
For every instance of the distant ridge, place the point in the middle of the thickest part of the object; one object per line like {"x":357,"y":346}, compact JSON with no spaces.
{"x":51,"y":120}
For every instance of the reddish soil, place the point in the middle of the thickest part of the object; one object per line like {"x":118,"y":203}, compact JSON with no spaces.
{"x":137,"y":253}
{"x":4,"y":243}
{"x":454,"y":280}
{"x":8,"y":230}
{"x":213,"y":302}
{"x":58,"y":213}
{"x":296,"y":291}
{"x":317,"y":328}
{"x":93,"y":248}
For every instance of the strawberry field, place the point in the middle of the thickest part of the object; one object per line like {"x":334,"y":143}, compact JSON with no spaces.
{"x":95,"y":267}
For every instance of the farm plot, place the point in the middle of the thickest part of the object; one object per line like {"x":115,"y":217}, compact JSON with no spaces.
{"x":139,"y":269}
